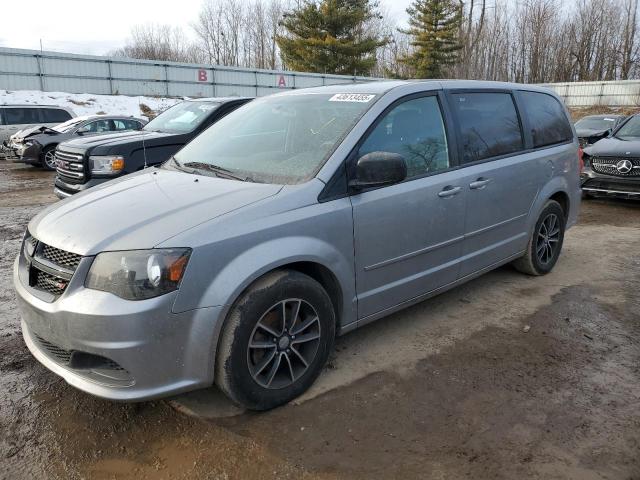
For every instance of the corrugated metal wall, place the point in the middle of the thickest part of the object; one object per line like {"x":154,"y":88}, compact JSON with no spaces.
{"x":64,"y":72}
{"x":623,"y":93}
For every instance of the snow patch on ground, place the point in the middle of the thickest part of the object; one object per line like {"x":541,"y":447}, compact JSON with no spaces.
{"x":90,"y":104}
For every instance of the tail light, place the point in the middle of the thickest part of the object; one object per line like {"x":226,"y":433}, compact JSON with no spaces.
{"x":581,"y":158}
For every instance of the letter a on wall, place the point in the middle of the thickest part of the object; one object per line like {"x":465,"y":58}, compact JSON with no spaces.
{"x":282,"y":82}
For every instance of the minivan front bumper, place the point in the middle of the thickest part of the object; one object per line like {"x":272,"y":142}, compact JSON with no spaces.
{"x":114,"y":348}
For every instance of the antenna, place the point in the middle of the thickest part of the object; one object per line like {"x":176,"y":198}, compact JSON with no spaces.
{"x":144,"y":147}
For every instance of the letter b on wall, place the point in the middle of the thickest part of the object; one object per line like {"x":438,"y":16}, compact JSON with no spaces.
{"x":202,"y":75}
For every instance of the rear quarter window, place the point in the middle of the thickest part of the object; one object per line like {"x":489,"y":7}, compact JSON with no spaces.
{"x":547,"y":119}
{"x":54,"y":115}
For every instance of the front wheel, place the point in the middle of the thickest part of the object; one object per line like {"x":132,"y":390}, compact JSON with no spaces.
{"x":545,"y":243}
{"x":275,"y":341}
{"x":48,"y":158}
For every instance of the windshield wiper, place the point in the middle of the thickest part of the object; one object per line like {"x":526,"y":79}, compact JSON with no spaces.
{"x":217,"y":170}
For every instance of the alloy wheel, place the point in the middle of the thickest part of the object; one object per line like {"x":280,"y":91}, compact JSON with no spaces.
{"x":548,"y":238}
{"x":283,"y":343}
{"x":50,"y":159}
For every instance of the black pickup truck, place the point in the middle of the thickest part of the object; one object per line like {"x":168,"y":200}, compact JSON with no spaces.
{"x":86,"y":162}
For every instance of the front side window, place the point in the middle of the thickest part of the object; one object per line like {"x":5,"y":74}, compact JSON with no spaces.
{"x":278,"y":139}
{"x":415,"y":130}
{"x":182,"y":118}
{"x":489,"y":125}
{"x":126,"y":125}
{"x":99,"y":126}
{"x":548,"y":122}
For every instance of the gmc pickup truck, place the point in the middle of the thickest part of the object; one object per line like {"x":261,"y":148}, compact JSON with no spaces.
{"x":86,"y":162}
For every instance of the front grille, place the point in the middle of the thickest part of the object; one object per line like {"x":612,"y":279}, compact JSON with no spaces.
{"x":70,"y":166}
{"x":49,"y":283}
{"x":60,"y":354}
{"x":50,"y":268}
{"x":610,"y":166}
{"x":61,"y":257}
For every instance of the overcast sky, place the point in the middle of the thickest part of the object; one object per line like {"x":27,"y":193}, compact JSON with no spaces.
{"x":98,"y":27}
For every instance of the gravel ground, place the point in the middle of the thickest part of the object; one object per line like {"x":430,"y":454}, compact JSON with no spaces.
{"x":450,"y":388}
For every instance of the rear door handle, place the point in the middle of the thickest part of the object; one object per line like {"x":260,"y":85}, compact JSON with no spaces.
{"x":479,"y":183}
{"x":449,"y":191}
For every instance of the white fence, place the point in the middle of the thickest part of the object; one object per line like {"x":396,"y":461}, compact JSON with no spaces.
{"x":65,"y":72}
{"x":622,"y":93}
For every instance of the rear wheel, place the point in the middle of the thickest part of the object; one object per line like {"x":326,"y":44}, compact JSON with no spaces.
{"x":275,"y":341}
{"x":545,"y":243}
{"x":48,"y":158}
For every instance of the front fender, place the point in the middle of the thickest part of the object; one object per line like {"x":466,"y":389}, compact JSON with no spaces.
{"x":234,"y":277}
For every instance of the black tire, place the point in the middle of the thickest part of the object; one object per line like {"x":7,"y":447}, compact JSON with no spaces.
{"x":533,"y":263}
{"x":45,"y":156}
{"x":238,"y":372}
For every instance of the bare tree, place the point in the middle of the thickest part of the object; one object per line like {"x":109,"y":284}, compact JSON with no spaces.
{"x":159,"y":42}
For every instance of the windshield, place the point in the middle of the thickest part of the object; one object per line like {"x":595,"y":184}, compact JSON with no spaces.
{"x":596,"y":123}
{"x":630,"y":129}
{"x":181,"y":118}
{"x":68,"y":125}
{"x":277,"y":139}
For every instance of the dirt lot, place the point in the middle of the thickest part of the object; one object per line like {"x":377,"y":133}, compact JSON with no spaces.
{"x":451,"y":388}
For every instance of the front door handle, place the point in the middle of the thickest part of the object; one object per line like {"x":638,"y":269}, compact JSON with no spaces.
{"x":479,"y":183}
{"x":449,"y":191}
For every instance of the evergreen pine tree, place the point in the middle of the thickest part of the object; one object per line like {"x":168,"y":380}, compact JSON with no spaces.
{"x":330,"y":36}
{"x":434,"y":26}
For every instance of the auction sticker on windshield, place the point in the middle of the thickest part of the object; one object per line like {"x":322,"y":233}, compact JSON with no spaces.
{"x":351,"y":97}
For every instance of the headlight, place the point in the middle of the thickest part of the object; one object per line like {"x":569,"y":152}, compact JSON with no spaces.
{"x":29,"y":244}
{"x":106,"y":164}
{"x":138,"y":274}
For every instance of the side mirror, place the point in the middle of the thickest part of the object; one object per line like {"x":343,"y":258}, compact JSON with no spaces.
{"x":377,"y":169}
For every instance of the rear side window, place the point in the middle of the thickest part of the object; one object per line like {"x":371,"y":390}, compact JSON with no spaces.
{"x":21,"y":116}
{"x":489,"y":125}
{"x":548,"y":122}
{"x":54,"y":115}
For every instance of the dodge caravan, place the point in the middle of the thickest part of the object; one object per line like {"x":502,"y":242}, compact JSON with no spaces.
{"x":297,"y":217}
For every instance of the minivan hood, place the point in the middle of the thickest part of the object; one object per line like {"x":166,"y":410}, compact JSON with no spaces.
{"x":613,"y":147}
{"x":141,"y":210}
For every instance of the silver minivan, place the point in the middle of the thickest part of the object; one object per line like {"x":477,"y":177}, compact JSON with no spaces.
{"x":298,"y":217}
{"x":14,"y":118}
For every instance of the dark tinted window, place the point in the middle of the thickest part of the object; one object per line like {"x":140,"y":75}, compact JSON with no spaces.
{"x":415,"y":130}
{"x":489,"y":125}
{"x":19,"y":116}
{"x":547,"y":119}
{"x":54,"y":115}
